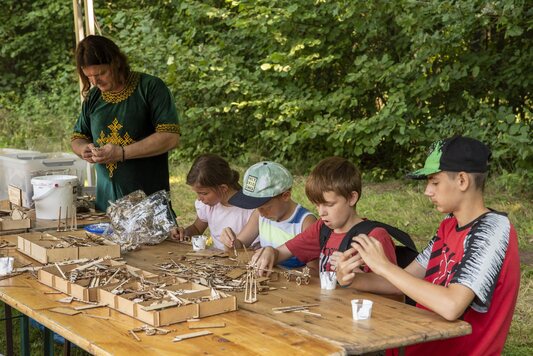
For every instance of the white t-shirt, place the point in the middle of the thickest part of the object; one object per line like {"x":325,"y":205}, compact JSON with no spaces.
{"x":219,"y":216}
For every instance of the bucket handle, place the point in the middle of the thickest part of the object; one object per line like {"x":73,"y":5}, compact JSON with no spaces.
{"x":44,"y":195}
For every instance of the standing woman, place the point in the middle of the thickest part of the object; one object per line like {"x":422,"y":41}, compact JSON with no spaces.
{"x":127,"y":124}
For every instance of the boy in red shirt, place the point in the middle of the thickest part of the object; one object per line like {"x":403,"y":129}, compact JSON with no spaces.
{"x":470,"y":270}
{"x":334,"y":186}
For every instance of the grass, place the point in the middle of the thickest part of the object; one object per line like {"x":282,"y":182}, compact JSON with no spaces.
{"x":400,"y":203}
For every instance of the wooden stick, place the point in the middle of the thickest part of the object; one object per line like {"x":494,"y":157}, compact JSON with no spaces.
{"x":81,"y":268}
{"x":132,"y":333}
{"x":308,"y":312}
{"x":59,"y":220}
{"x":159,"y":306}
{"x":191,"y":335}
{"x":66,"y":219}
{"x":207,"y":325}
{"x":97,"y":316}
{"x":294,"y":307}
{"x":84,"y":307}
{"x":60,"y":271}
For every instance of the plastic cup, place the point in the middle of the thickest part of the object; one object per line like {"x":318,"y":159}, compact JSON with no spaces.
{"x":198,"y":242}
{"x":361,"y":309}
{"x":328,"y":280}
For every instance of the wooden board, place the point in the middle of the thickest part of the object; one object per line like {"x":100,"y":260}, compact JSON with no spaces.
{"x":6,"y":223}
{"x":66,"y":311}
{"x":393,"y":324}
{"x":253,"y":329}
{"x":244,"y":334}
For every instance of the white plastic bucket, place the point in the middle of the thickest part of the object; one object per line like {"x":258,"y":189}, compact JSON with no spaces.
{"x":50,"y":193}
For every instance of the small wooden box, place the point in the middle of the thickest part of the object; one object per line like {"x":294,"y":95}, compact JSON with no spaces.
{"x":171,"y":314}
{"x":80,"y":289}
{"x":42,"y":250}
{"x":6,"y":223}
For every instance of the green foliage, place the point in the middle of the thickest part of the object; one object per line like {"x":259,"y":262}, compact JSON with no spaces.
{"x":38,"y":95}
{"x":299,"y":80}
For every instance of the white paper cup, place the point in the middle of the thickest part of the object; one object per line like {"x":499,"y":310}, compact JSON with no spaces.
{"x":361,"y":309}
{"x":328,"y":280}
{"x":198,"y":242}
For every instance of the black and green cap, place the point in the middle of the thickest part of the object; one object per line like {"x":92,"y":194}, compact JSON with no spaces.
{"x":455,"y":154}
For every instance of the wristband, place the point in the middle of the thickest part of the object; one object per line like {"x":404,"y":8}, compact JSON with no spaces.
{"x":123,"y":155}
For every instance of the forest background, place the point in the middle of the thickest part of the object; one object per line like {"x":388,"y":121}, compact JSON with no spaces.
{"x":299,"y":80}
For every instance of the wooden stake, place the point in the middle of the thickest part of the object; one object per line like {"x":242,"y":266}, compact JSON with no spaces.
{"x":191,"y":335}
{"x":132,"y":333}
{"x":59,"y":220}
{"x":66,"y":219}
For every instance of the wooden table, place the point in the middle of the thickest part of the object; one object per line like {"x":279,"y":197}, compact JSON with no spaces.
{"x":254,"y":328}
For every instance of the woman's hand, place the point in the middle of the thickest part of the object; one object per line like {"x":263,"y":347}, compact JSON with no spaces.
{"x":108,"y":153}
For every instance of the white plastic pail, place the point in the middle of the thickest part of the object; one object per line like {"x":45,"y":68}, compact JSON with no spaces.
{"x":50,"y":193}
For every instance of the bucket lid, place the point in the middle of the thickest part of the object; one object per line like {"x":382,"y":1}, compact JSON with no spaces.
{"x":59,"y":180}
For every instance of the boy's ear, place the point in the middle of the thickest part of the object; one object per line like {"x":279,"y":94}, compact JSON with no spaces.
{"x":464,"y":181}
{"x":286,"y":195}
{"x":354,"y":198}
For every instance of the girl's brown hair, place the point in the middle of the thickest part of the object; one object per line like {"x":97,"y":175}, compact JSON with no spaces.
{"x":210,"y":170}
{"x":94,"y":50}
{"x":333,"y":174}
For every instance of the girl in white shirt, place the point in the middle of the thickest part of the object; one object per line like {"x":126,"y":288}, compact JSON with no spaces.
{"x":214,"y":183}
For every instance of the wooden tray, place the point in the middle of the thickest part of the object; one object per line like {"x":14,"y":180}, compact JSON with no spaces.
{"x":40,"y":246}
{"x":173,"y":313}
{"x":80,"y":289}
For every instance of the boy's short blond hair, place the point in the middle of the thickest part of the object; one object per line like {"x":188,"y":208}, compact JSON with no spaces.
{"x":333,"y":174}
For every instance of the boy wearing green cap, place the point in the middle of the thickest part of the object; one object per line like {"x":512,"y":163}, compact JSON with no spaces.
{"x":277,"y":218}
{"x":469,"y":270}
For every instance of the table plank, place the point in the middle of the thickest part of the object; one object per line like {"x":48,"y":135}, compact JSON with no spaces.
{"x":245,"y":332}
{"x":393,"y":324}
{"x":254,"y":328}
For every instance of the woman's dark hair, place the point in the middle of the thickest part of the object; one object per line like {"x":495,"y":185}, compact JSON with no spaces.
{"x":94,"y":50}
{"x":210,"y":170}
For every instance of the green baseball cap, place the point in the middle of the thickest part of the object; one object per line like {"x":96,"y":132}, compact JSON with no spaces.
{"x":455,"y":154}
{"x":262,"y":182}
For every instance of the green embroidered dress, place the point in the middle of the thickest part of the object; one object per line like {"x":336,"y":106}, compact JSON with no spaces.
{"x":143,"y":107}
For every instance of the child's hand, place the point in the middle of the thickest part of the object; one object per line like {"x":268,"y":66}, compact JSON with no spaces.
{"x":372,"y":253}
{"x":177,"y":233}
{"x":174,"y":233}
{"x":264,"y":259}
{"x":227,"y":237}
{"x":346,"y":265}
